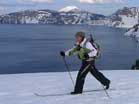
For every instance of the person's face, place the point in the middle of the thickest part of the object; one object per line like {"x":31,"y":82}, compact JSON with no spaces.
{"x":79,"y":39}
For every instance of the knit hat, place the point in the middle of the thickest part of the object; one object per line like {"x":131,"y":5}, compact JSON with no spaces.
{"x":80,"y":34}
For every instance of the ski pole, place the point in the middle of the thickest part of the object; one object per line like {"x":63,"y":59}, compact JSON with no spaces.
{"x":104,"y":88}
{"x":101,"y":84}
{"x":67,"y":67}
{"x":106,"y":93}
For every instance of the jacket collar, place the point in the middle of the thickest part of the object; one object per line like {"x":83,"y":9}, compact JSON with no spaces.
{"x":83,"y":42}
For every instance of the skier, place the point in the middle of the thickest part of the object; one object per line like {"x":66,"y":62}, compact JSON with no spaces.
{"x":136,"y":65}
{"x":87,"y":53}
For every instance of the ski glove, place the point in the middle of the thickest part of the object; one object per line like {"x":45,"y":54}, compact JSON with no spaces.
{"x":62,"y":53}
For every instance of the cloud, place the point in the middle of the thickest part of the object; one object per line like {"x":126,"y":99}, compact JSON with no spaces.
{"x":16,"y":3}
{"x":37,"y":1}
{"x":2,"y":10}
{"x":81,"y":1}
{"x":100,"y":1}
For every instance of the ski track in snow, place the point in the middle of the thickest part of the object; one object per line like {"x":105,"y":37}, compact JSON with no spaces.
{"x":20,"y":89}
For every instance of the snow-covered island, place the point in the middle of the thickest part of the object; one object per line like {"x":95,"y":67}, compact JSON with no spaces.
{"x":133,"y":32}
{"x":21,"y":89}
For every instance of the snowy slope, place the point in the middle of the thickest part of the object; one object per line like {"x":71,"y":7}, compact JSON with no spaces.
{"x":126,"y":17}
{"x":19,"y":89}
{"x":127,"y":22}
{"x":133,"y":32}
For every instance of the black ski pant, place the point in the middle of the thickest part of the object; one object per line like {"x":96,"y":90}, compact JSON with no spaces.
{"x":84,"y":70}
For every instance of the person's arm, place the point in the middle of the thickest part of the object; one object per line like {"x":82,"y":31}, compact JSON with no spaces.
{"x":72,"y":51}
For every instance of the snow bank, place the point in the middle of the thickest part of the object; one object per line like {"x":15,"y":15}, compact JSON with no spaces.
{"x":20,"y":89}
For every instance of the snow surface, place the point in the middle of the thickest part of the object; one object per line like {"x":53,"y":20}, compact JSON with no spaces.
{"x":20,"y":89}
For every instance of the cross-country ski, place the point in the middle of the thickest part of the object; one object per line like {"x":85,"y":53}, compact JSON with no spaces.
{"x":68,"y":94}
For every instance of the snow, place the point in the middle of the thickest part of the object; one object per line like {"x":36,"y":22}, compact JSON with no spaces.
{"x":133,"y":32}
{"x":20,"y":88}
{"x":126,"y":17}
{"x":137,"y":35}
{"x":69,"y":8}
{"x":31,"y":21}
{"x":128,"y":22}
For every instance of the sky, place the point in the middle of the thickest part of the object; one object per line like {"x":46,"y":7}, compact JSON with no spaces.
{"x":105,"y":7}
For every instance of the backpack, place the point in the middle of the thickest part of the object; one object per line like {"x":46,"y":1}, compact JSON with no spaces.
{"x":95,"y":45}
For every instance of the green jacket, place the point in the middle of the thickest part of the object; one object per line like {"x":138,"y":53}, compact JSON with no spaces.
{"x":84,"y":48}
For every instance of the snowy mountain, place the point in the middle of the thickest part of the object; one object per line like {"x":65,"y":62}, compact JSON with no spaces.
{"x":68,"y":15}
{"x":82,"y":17}
{"x":69,"y":9}
{"x":126,"y":17}
{"x":133,"y":32}
{"x":32,"y":17}
{"x":20,"y":89}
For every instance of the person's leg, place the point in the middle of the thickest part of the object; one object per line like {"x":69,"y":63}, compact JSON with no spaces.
{"x":81,"y":77}
{"x":99,"y":76}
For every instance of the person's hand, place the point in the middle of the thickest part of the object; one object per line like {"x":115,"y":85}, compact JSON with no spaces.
{"x":62,"y":53}
{"x":78,"y":47}
{"x":86,"y":56}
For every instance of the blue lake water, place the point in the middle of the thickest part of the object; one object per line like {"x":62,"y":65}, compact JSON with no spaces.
{"x":35,"y":48}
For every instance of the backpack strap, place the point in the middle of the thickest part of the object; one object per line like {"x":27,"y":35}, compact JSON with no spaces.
{"x":84,"y":45}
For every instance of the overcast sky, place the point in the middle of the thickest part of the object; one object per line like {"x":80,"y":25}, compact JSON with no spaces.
{"x":105,"y":7}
